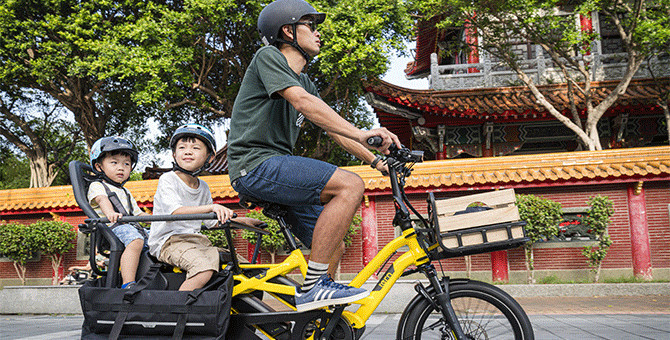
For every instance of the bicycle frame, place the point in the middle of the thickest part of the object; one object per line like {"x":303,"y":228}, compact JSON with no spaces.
{"x":416,"y":255}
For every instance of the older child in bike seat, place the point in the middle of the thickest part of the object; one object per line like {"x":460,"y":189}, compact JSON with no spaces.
{"x":113,"y":158}
{"x":180,"y":191}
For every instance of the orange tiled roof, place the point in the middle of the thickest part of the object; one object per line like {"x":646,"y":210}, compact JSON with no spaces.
{"x":512,"y":102}
{"x":651,"y":163}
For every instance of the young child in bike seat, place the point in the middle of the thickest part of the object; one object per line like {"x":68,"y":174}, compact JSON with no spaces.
{"x":180,"y":191}
{"x":113,"y":158}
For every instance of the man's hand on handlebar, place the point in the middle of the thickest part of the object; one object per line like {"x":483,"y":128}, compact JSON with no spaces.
{"x":387,"y":139}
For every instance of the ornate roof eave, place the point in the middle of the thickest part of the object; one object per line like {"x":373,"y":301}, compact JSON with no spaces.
{"x":507,"y":102}
{"x":553,"y":169}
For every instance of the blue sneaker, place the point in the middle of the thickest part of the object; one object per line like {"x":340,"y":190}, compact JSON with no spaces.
{"x":327,"y":292}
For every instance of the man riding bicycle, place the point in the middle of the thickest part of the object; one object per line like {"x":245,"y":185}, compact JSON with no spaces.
{"x":274,"y":99}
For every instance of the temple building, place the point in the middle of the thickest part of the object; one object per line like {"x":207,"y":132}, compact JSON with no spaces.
{"x":480,"y":131}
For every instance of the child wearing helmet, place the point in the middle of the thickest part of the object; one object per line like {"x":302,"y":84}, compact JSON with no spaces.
{"x":114,"y":158}
{"x":274,"y":99}
{"x":180,"y":191}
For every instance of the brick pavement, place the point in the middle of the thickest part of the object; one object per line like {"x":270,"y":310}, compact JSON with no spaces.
{"x":642,"y":304}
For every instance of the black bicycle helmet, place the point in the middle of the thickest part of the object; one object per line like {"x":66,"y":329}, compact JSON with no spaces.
{"x":110,"y":144}
{"x":285,"y":12}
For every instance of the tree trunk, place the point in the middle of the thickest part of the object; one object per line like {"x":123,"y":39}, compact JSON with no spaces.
{"x":530,"y":273}
{"x":40,"y":173}
{"x":21,"y":272}
{"x":55,"y":264}
{"x":597,"y":278}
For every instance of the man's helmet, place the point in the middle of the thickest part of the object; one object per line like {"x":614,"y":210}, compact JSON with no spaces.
{"x":197,"y":131}
{"x":109,"y":144}
{"x":284,"y":12}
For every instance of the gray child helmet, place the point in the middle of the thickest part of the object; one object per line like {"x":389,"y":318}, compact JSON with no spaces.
{"x":196,"y":131}
{"x":106,"y":145}
{"x":285,"y":12}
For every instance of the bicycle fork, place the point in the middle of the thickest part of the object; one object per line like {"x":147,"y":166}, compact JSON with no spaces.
{"x":440,"y":300}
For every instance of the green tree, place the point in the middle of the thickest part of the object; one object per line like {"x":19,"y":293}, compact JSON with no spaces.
{"x":42,"y":44}
{"x":40,"y":131}
{"x":14,"y":170}
{"x":598,"y":218}
{"x":542,"y":217}
{"x":191,"y":57}
{"x":53,"y":238}
{"x":502,"y":26}
{"x":17,"y":242}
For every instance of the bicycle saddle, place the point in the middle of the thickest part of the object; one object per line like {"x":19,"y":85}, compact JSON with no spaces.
{"x":271,"y":210}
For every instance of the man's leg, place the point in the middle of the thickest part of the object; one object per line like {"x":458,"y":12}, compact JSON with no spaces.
{"x":342,"y":195}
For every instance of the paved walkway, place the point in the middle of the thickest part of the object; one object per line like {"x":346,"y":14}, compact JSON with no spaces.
{"x":568,"y":318}
{"x":645,"y":304}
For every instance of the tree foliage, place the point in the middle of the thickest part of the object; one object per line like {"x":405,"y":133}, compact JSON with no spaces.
{"x":36,"y":126}
{"x":115,"y":64}
{"x":551,"y":24}
{"x":42,"y":45}
{"x":14,"y":170}
{"x":598,"y":218}
{"x":275,"y":241}
{"x":542,"y":217}
{"x":53,"y":238}
{"x":17,"y":242}
{"x":191,"y":56}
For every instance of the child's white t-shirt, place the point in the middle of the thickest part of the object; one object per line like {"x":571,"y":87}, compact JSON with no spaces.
{"x":171,"y":194}
{"x":96,"y":189}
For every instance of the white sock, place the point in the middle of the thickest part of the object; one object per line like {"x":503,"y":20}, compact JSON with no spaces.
{"x":314,"y":271}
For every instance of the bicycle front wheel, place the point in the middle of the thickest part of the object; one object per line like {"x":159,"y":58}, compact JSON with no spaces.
{"x":483,"y":311}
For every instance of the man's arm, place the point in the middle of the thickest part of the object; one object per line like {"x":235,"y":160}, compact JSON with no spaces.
{"x":358,"y":150}
{"x":319,"y":113}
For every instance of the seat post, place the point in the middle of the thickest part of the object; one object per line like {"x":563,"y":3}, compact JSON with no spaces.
{"x":287,"y":233}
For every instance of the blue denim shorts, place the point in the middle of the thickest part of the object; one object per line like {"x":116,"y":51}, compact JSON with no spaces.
{"x":128,"y":233}
{"x":294,"y":181}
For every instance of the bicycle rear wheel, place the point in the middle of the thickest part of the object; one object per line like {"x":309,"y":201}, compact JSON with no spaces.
{"x":483,"y":310}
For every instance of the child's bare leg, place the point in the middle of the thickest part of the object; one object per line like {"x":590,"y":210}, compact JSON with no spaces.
{"x":130,"y":259}
{"x":196,"y":281}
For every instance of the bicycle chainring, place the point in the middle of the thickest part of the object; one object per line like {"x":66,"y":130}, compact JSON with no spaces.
{"x":342,"y":331}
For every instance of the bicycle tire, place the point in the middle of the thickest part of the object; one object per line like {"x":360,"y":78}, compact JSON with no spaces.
{"x":483,"y":310}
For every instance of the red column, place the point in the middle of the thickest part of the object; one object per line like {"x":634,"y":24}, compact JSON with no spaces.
{"x":441,"y":154}
{"x":587,"y":27}
{"x":472,"y":40}
{"x":499,"y":266}
{"x":639,"y":232}
{"x":369,"y":229}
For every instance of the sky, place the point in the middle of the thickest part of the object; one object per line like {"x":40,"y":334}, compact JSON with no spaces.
{"x":395,"y":76}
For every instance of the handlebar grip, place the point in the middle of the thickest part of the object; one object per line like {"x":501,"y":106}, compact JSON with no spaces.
{"x":375,"y":141}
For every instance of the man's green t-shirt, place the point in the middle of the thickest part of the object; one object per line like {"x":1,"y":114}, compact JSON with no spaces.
{"x":263,"y":124}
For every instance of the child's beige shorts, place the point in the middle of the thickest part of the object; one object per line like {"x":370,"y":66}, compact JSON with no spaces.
{"x":192,"y":253}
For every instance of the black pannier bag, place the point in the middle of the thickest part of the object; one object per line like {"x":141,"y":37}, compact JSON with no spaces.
{"x":147,"y":309}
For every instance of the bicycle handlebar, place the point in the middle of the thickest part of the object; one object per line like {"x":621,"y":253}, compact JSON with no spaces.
{"x":152,"y":218}
{"x":403,"y":154}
